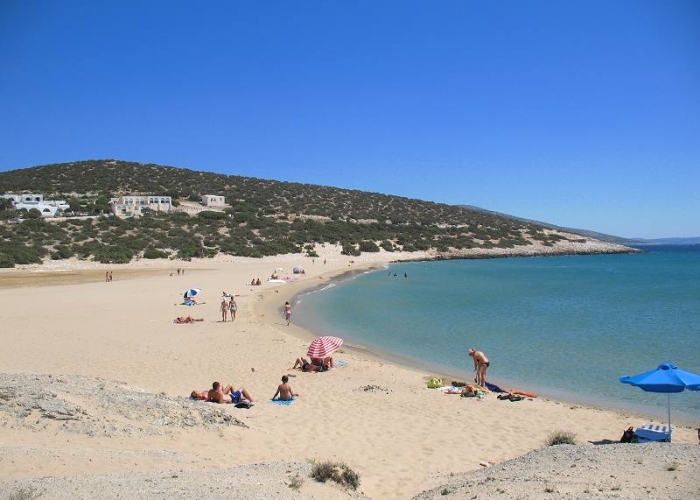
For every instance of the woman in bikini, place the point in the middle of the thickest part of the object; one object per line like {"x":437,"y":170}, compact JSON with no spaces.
{"x":224,"y":309}
{"x":481,"y":363}
{"x":233,"y":307}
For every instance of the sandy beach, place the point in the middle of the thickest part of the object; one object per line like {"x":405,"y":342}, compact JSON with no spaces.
{"x":96,"y":379}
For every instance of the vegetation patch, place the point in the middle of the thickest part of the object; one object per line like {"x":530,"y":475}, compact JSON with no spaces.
{"x":337,"y":472}
{"x":561,"y":437}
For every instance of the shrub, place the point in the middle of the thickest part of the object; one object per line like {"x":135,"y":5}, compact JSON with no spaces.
{"x":561,"y":437}
{"x":6,"y":261}
{"x":211,"y":215}
{"x":368,"y":246}
{"x":335,"y":471}
{"x":152,"y":253}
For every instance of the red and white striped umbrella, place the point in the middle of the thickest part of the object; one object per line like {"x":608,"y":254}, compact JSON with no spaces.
{"x":323,"y":346}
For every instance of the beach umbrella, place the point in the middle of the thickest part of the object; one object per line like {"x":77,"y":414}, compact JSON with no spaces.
{"x":323,"y":346}
{"x":192,"y":292}
{"x":667,"y":378}
{"x":297,"y":270}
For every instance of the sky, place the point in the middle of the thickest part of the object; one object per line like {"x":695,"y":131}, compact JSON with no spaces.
{"x":580,"y":114}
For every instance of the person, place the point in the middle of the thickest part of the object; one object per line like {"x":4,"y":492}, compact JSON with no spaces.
{"x":233,"y":307}
{"x":106,"y":276}
{"x":258,"y":282}
{"x":287,"y":312}
{"x":327,"y":361}
{"x":217,"y":394}
{"x":224,"y":309}
{"x":305,"y":366}
{"x":186,"y":319}
{"x":481,"y":363}
{"x":284,"y":390}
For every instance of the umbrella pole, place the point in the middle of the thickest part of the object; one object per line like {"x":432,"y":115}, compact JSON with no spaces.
{"x":669,"y":412}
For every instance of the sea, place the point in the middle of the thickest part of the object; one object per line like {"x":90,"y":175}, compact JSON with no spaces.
{"x":565,"y":327}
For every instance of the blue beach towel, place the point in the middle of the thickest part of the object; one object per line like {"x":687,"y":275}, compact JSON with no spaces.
{"x":340,"y":362}
{"x":281,"y":402}
{"x":493,"y":387}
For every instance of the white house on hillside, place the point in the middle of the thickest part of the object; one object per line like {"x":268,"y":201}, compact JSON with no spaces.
{"x":129,"y":206}
{"x":48,"y":208}
{"x":210,"y":200}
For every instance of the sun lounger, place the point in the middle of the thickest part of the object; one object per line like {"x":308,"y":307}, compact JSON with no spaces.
{"x":653,"y":432}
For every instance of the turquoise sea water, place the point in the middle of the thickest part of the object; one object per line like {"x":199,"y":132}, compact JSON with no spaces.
{"x":567,"y":327}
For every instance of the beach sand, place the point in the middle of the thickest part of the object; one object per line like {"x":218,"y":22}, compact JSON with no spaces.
{"x":377,"y":417}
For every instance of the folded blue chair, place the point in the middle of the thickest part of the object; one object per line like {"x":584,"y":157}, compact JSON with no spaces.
{"x":653,"y":433}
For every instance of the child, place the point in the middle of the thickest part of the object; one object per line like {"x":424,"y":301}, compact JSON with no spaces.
{"x":284,"y":390}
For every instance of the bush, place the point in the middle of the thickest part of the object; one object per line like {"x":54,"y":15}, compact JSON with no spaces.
{"x":561,"y":437}
{"x":350,"y":249}
{"x":152,"y":253}
{"x":368,"y":246}
{"x":6,"y":261}
{"x":211,"y":215}
{"x":335,"y":471}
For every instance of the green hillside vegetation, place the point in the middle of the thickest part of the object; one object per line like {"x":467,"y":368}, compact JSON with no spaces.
{"x":264,"y":218}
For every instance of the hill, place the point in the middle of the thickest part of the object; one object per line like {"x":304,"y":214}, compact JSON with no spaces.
{"x":265,"y":217}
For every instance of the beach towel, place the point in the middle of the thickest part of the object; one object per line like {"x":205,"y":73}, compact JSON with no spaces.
{"x":340,"y":362}
{"x":493,"y":387}
{"x":282,"y":402}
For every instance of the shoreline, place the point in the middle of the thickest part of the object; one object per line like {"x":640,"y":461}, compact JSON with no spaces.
{"x":448,"y":373}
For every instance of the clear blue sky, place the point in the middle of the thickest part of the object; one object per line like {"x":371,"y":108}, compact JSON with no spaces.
{"x":583,"y":114}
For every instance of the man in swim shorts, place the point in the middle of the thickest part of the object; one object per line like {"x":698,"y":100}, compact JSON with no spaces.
{"x":481,"y":363}
{"x":217,"y":395}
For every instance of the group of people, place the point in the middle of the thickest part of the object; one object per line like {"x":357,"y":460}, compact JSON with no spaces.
{"x":256,"y":282}
{"x":241,"y":397}
{"x":224,"y":394}
{"x":228,"y":305}
{"x":108,"y":276}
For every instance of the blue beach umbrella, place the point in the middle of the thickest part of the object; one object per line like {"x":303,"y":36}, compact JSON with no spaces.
{"x":667,"y":378}
{"x":192,"y":292}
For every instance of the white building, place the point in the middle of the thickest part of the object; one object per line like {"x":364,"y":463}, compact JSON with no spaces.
{"x":129,"y":206}
{"x":210,"y":200}
{"x":48,"y":208}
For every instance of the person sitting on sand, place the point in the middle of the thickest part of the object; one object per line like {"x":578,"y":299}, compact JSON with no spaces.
{"x":284,"y":390}
{"x":186,"y":319}
{"x":327,"y":361}
{"x":305,"y":366}
{"x":218,"y":395}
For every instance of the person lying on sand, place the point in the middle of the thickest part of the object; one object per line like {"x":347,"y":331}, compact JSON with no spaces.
{"x":204,"y":395}
{"x":284,"y":390}
{"x":186,"y":319}
{"x":217,"y":394}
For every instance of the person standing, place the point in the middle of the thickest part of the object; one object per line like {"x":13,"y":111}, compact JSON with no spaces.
{"x":224,"y":309}
{"x":287,"y":312}
{"x":233,"y":307}
{"x":481,"y":363}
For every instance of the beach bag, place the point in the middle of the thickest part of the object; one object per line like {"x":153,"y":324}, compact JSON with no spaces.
{"x":627,"y":436}
{"x":434,"y":383}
